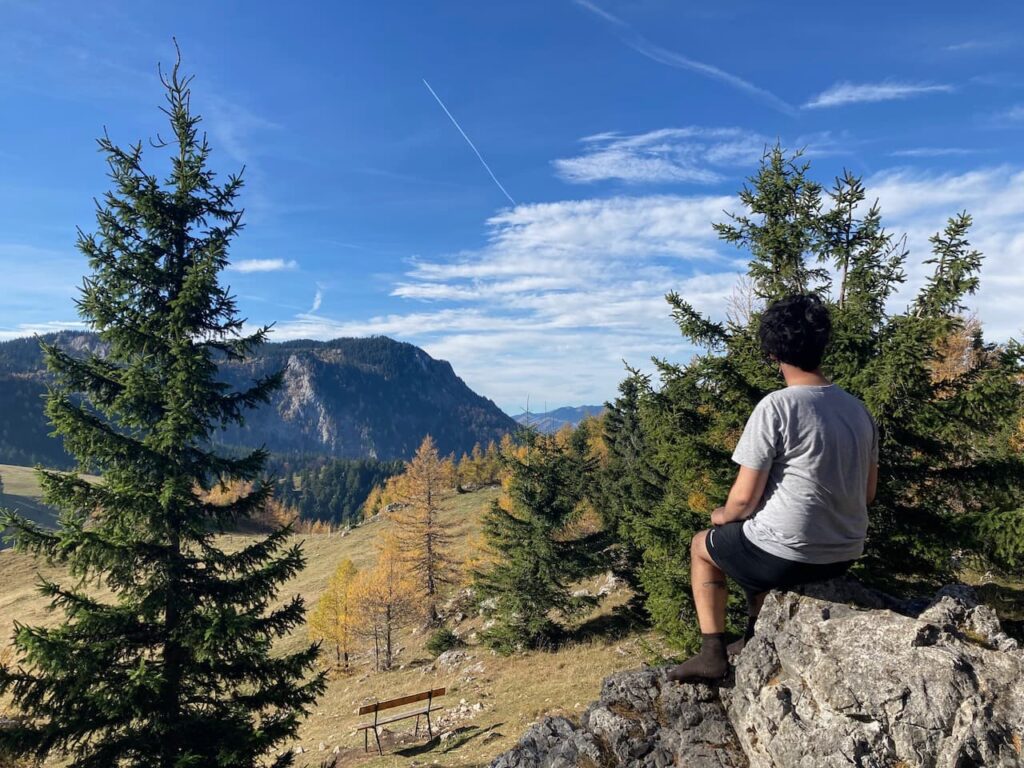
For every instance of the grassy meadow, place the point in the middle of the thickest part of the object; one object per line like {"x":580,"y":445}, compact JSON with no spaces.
{"x":502,"y":695}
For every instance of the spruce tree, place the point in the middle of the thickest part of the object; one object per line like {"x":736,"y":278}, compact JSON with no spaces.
{"x":627,"y":487}
{"x":534,"y":563}
{"x":951,"y":475}
{"x":176,"y":668}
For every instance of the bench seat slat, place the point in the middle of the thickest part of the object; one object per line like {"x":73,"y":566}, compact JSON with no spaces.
{"x":400,"y":716}
{"x":401,"y":701}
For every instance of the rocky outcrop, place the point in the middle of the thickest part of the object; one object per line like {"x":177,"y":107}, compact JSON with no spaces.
{"x":837,"y":675}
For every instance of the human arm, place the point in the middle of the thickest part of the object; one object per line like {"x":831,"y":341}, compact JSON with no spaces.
{"x":872,"y":482}
{"x":755,"y":453}
{"x":744,"y":496}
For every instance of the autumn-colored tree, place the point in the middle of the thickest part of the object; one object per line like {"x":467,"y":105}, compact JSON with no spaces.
{"x":422,"y":537}
{"x":384,"y":601}
{"x":332,"y":620}
{"x":271,"y":514}
{"x":373,"y":502}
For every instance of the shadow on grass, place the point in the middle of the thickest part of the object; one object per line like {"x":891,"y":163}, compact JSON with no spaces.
{"x":622,"y":621}
{"x":458,"y":738}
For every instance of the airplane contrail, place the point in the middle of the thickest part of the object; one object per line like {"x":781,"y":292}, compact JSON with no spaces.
{"x":470,"y":142}
{"x":645,"y":47}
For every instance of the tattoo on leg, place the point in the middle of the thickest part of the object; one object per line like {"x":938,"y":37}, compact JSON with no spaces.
{"x":716,"y":583}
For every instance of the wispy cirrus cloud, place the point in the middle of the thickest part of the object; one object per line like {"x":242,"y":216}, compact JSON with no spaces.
{"x":665,"y":155}
{"x":934,"y":152}
{"x":318,"y":300}
{"x":971,"y":46}
{"x":676,"y":155}
{"x":562,"y":292}
{"x":1014,"y":114}
{"x":655,"y":52}
{"x":919,"y":203}
{"x":845,"y":93}
{"x":262,"y":265}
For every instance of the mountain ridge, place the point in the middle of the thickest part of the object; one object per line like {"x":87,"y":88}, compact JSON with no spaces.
{"x":552,"y":421}
{"x":344,"y":398}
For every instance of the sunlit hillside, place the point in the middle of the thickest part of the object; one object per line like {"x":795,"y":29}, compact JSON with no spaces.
{"x":501,"y":695}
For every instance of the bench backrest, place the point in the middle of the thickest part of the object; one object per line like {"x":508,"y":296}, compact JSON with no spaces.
{"x":401,"y":701}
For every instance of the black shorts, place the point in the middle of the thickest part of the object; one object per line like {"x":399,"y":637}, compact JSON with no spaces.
{"x":758,"y":571}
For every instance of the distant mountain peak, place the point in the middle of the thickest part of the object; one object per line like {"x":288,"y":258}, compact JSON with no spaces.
{"x":552,"y":421}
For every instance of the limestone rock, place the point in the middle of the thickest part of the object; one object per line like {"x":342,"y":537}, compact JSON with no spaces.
{"x":450,"y":659}
{"x":836,"y":675}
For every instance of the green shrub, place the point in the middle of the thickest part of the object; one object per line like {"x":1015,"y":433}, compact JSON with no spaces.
{"x":442,"y":640}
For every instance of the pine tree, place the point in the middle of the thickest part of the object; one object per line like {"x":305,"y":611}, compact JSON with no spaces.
{"x":533,"y":564}
{"x":384,"y":599}
{"x":333,"y":617}
{"x":175,"y":669}
{"x":423,"y":539}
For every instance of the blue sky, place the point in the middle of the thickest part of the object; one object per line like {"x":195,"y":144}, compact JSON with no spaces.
{"x":616,"y":130}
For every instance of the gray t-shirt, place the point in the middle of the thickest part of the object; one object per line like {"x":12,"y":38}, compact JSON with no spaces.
{"x":819,"y":442}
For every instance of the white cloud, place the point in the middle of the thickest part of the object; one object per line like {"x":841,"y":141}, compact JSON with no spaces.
{"x":318,"y":299}
{"x":22,"y":330}
{"x":687,"y":154}
{"x":560,"y":295}
{"x":854,"y":93}
{"x":1014,"y":114}
{"x":262,"y":265}
{"x":919,"y":203}
{"x":968,"y":46}
{"x":563,"y":292}
{"x":934,"y":152}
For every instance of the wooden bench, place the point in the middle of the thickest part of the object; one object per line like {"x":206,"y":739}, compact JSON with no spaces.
{"x":401,"y":701}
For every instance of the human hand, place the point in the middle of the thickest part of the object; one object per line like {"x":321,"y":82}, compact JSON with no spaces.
{"x":718,"y":516}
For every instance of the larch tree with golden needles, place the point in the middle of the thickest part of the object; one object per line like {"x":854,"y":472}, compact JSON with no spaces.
{"x":423,"y":539}
{"x":332,"y":620}
{"x":384,"y":600}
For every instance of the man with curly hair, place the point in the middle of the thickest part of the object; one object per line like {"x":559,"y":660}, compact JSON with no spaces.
{"x":797,"y":512}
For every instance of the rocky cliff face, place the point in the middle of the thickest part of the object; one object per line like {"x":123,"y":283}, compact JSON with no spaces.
{"x":837,"y":675}
{"x":346,"y":398}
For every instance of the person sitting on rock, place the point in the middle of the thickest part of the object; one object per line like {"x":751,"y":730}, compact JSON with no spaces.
{"x":797,"y":512}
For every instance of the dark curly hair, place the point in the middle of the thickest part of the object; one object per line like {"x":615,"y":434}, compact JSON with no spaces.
{"x":796,"y":330}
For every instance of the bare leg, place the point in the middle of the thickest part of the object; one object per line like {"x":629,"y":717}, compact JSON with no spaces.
{"x":709,"y":596}
{"x":707,"y":580}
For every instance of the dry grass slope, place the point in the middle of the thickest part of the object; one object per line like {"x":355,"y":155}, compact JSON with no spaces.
{"x":502,"y":695}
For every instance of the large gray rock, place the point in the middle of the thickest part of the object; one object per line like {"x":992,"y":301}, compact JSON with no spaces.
{"x":837,"y":675}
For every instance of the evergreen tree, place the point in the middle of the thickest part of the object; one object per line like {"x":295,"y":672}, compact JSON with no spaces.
{"x":176,"y":669}
{"x":423,"y":539}
{"x":950,"y":478}
{"x":533,"y":563}
{"x":628,"y":487}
